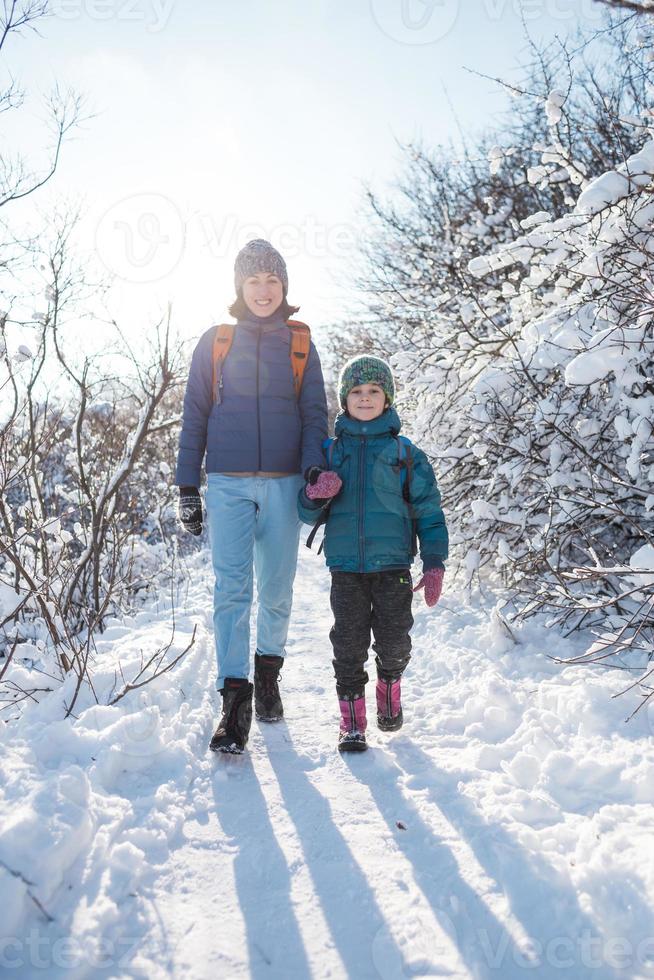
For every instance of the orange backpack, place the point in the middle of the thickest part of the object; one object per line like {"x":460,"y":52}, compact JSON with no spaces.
{"x":299,"y":352}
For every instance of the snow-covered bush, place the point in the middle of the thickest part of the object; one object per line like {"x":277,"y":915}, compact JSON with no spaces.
{"x":87,"y":446}
{"x":569,"y":404}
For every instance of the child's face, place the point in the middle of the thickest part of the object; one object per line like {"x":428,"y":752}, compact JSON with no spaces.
{"x":366,"y":402}
{"x":263,"y":293}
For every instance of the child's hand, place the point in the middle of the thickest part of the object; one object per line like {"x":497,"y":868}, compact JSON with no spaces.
{"x":325,"y":485}
{"x":432,"y":581}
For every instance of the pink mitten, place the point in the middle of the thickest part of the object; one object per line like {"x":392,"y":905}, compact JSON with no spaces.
{"x":432,"y":580}
{"x":326,"y":486}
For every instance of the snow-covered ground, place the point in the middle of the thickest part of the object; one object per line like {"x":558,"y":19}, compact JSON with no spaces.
{"x":505,"y":832}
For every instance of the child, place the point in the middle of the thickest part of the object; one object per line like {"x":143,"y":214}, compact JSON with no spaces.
{"x":377,"y":493}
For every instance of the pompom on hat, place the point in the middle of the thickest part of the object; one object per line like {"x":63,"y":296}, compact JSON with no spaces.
{"x":259,"y":256}
{"x":366,"y":370}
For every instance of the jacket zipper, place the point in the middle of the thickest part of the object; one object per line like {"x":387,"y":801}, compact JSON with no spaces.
{"x":259,"y":467}
{"x":362,"y":475}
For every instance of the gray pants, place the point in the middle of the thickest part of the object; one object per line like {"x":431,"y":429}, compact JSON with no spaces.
{"x":361,"y":602}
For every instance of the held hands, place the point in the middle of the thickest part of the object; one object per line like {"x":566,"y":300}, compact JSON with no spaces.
{"x":432,"y":581}
{"x":322,"y":484}
{"x":190,"y":509}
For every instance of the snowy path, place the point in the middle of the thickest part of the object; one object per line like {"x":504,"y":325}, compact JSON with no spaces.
{"x":504,"y":832}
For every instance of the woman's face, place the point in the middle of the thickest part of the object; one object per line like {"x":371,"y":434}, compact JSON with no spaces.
{"x":263,"y":293}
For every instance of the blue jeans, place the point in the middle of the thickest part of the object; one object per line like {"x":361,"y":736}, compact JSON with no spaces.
{"x":253,"y":524}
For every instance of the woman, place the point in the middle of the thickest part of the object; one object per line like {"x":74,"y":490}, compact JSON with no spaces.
{"x":260,"y":431}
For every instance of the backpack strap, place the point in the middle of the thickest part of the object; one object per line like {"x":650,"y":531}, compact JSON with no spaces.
{"x":405,"y":458}
{"x":406,"y":465}
{"x":222,"y":342}
{"x":299,"y":354}
{"x":300,"y":347}
{"x":328,"y":449}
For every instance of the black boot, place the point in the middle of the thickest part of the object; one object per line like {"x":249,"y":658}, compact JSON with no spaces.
{"x":267,"y":700}
{"x":234,"y":726}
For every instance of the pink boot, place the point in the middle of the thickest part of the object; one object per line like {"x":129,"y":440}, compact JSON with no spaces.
{"x":352,"y":734}
{"x":389,"y":704}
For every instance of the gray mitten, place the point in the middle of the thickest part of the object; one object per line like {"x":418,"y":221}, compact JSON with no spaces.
{"x":190,"y":509}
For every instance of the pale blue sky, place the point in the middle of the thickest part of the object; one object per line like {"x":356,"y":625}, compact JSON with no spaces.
{"x":220,"y":120}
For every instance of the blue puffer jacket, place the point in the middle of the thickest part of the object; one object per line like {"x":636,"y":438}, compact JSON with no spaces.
{"x":259,"y":424}
{"x":368,"y":525}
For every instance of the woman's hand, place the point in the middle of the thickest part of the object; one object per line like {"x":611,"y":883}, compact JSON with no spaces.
{"x":190,"y":509}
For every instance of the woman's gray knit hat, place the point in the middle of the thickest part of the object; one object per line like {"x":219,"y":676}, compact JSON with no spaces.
{"x":259,"y":256}
{"x":366,"y":370}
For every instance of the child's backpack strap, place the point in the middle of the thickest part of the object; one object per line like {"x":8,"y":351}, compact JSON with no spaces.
{"x":300,"y":347}
{"x":222,"y":343}
{"x":328,"y":449}
{"x":405,"y":459}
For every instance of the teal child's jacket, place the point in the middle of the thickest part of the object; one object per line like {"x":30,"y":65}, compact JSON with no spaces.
{"x":369,"y":523}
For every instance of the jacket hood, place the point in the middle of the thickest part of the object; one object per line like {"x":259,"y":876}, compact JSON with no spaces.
{"x":387,"y":422}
